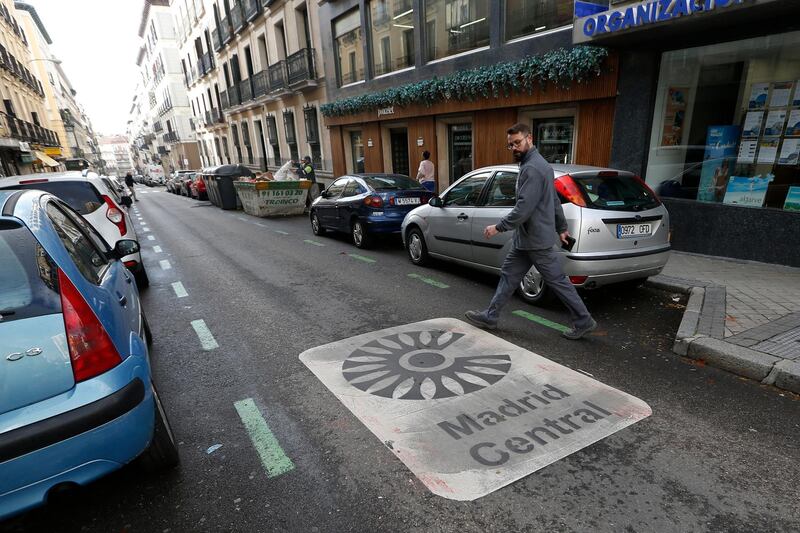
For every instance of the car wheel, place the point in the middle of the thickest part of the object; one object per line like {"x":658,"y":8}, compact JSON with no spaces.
{"x":162,"y":453}
{"x":360,"y":236}
{"x":316,"y":227}
{"x":417,"y":249}
{"x":142,"y":281}
{"x":534,"y":290}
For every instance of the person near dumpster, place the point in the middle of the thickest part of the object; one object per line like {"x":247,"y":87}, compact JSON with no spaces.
{"x":307,"y":172}
{"x":129,"y":184}
{"x":538,"y":221}
{"x":426,"y":172}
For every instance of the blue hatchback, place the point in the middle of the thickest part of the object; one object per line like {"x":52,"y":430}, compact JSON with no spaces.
{"x":76,"y":393}
{"x":365,"y":205}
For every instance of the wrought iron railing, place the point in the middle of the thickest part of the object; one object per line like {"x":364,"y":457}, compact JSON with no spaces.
{"x":233,"y":95}
{"x":277,"y":76}
{"x":245,"y":91}
{"x":216,"y":42}
{"x":223,"y":98}
{"x":22,"y":130}
{"x":260,"y":84}
{"x":225,"y":32}
{"x":251,"y":9}
{"x":237,"y":17}
{"x":300,"y":66}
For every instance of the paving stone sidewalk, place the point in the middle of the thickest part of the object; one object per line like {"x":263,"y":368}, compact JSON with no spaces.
{"x":743,"y":316}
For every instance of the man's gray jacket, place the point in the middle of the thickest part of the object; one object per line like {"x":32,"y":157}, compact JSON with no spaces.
{"x":537,"y":216}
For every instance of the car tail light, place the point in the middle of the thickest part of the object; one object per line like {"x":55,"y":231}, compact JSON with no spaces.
{"x":130,"y":264}
{"x":38,"y":180}
{"x":567,"y":188}
{"x":115,"y":215}
{"x":578,"y":280}
{"x":90,"y":348}
{"x":646,"y":186}
{"x":373,"y":201}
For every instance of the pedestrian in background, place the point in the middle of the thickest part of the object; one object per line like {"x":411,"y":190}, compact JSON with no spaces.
{"x":538,"y":221}
{"x":129,"y":184}
{"x":425,"y":174}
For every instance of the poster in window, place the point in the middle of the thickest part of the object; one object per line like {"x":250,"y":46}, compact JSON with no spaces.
{"x":747,"y":152}
{"x":781,"y":92}
{"x":674,"y":115}
{"x":790,"y":152}
{"x":758,"y":96}
{"x":746,"y":191}
{"x":792,"y":202}
{"x":752,"y":124}
{"x":796,"y":98}
{"x":719,"y":161}
{"x":776,"y":119}
{"x":767,"y":151}
{"x":793,"y":125}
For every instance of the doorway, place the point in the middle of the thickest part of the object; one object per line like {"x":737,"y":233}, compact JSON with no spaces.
{"x":398,"y":140}
{"x":459,"y":137}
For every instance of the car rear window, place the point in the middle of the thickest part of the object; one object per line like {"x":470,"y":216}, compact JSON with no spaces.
{"x":391,"y":183}
{"x":28,"y":276}
{"x":616,"y":193}
{"x":79,"y":195}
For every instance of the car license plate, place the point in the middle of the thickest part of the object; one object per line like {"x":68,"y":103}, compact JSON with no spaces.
{"x":406,"y":201}
{"x":627,"y":231}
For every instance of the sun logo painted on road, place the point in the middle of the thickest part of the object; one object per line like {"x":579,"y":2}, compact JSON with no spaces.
{"x":421,"y":365}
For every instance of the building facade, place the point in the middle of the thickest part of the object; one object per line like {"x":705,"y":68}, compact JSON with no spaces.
{"x":25,"y":131}
{"x":116,"y":155}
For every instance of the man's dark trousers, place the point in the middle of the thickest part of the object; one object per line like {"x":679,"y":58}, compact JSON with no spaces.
{"x":517,"y":264}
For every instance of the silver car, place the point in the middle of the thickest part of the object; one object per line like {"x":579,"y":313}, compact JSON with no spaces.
{"x":620,"y":227}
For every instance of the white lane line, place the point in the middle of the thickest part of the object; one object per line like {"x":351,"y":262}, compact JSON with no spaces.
{"x":204,"y":334}
{"x":242,"y":219}
{"x":157,"y":249}
{"x":150,"y":238}
{"x":281,"y":232}
{"x":165,"y":264}
{"x":259,"y":224}
{"x":146,"y":230}
{"x":180,"y":290}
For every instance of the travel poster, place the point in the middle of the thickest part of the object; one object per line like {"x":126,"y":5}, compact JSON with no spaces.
{"x":776,"y":118}
{"x":758,"y":96}
{"x":781,"y":92}
{"x":796,"y":98}
{"x":749,"y":192}
{"x":752,"y":124}
{"x":790,"y":152}
{"x":767,"y":152}
{"x":674,"y":115}
{"x":719,"y":161}
{"x":793,"y":125}
{"x":747,"y":152}
{"x":792,"y":202}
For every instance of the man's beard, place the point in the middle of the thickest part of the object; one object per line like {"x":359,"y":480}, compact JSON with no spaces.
{"x":518,"y":156}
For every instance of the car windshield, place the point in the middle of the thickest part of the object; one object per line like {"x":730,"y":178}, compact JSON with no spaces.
{"x":391,"y":183}
{"x":79,"y":195}
{"x":616,"y":193}
{"x":28,"y":277}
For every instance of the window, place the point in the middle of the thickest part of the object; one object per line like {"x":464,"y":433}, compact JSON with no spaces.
{"x":467,"y":192}
{"x":87,"y":257}
{"x":272,"y":133}
{"x":353,"y":189}
{"x":246,"y":142}
{"x":455,"y":26}
{"x":335,"y":190}
{"x":392,"y":27}
{"x":554,"y":138}
{"x":237,"y":147}
{"x":79,"y":195}
{"x":526,"y":17}
{"x":504,"y":190}
{"x":357,"y":151}
{"x":291,"y":134}
{"x":347,"y":41}
{"x":312,"y":134}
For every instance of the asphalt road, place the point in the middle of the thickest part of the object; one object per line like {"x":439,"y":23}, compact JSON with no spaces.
{"x":719,"y":453}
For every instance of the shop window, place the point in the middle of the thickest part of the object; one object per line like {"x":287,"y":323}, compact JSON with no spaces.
{"x":357,"y":151}
{"x":726,"y":124}
{"x":460,"y":150}
{"x":392,"y":29}
{"x":349,"y":48}
{"x":554,"y":138}
{"x":455,"y":26}
{"x":526,"y":17}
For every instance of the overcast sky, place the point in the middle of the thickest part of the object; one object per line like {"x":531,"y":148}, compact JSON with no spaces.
{"x":97,"y":41}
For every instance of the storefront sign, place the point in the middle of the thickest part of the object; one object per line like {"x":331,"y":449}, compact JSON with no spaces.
{"x":386,"y":111}
{"x":645,"y":13}
{"x":52,"y":152}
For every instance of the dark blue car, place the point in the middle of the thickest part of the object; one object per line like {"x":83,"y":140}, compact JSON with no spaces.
{"x":366,"y":205}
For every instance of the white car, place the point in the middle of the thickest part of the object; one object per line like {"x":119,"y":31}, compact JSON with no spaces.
{"x":97,"y":200}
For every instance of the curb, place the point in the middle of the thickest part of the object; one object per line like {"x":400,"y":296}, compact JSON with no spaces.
{"x":700,"y":336}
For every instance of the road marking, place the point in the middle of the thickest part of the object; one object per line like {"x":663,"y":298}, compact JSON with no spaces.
{"x":204,"y":334}
{"x":315,"y":243}
{"x":362,"y":258}
{"x":430,"y":281}
{"x":541,"y":320}
{"x":242,"y":219}
{"x":150,"y":238}
{"x":179,"y":289}
{"x":260,"y":224}
{"x":157,"y":249}
{"x":165,"y":264}
{"x":146,"y":230}
{"x":281,"y":232}
{"x":269,"y":450}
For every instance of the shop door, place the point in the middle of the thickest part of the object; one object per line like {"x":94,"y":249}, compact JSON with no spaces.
{"x":460,"y":150}
{"x":399,"y":144}
{"x":554,"y":138}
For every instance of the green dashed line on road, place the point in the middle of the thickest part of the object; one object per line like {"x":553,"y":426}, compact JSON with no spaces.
{"x":315,"y":243}
{"x":269,"y":450}
{"x":541,"y":320}
{"x":207,"y":340}
{"x":281,"y":232}
{"x":362,"y":258}
{"x":180,"y":290}
{"x":430,"y":281}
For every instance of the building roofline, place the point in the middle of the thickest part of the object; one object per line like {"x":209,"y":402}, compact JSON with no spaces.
{"x":146,"y":12}
{"x":38,"y":21}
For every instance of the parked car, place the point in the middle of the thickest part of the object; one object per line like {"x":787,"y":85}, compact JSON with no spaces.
{"x":198,"y":187}
{"x":172,"y":184}
{"x":96,"y":199}
{"x":620,"y":227}
{"x":78,"y":400}
{"x":186,"y":183}
{"x":366,"y":205}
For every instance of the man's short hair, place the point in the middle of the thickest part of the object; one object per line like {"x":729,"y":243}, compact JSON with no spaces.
{"x":426,"y":154}
{"x":519,"y":128}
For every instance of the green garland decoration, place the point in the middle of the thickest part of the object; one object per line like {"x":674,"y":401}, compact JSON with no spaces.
{"x":560,"y":67}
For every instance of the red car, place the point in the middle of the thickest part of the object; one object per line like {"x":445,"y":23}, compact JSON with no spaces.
{"x":198,"y":188}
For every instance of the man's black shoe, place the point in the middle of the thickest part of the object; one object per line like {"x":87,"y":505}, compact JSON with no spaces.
{"x":577,"y":333}
{"x":479,"y":319}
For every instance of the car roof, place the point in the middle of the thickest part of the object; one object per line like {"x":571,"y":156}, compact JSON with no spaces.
{"x":559,"y":168}
{"x":73,"y":175}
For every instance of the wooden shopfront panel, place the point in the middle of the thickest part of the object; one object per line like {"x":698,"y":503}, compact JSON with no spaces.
{"x":338,"y":152}
{"x":489,"y":136}
{"x":421,"y":128}
{"x":373,"y":155}
{"x":595,"y":125}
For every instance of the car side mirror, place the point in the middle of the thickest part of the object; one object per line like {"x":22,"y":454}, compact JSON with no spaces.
{"x":325,"y":194}
{"x":435,"y":202}
{"x":125,"y":247}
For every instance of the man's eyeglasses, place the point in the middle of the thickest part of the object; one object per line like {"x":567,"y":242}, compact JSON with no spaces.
{"x":515,"y":144}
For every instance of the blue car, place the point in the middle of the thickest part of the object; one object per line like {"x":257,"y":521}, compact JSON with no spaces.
{"x":76,"y":393}
{"x":366,"y":205}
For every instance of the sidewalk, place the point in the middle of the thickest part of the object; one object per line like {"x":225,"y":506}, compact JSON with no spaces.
{"x":742,"y":316}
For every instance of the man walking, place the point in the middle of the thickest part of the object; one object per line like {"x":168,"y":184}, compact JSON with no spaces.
{"x":536,"y":218}
{"x":129,"y":184}
{"x":425,"y":174}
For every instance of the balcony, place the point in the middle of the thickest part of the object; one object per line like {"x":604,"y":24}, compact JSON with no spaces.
{"x":209,"y":121}
{"x":278,"y":77}
{"x":171,"y":137}
{"x":223,"y":98}
{"x":25,"y":131}
{"x":205,"y":64}
{"x":216,"y":42}
{"x":260,"y":84}
{"x":225,"y":32}
{"x":234,"y":98}
{"x":300,"y":66}
{"x":251,"y":8}
{"x":245,"y":91}
{"x":237,"y":17}
{"x":267,"y":3}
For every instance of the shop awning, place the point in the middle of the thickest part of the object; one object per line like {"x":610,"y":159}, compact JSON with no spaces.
{"x":45,"y":159}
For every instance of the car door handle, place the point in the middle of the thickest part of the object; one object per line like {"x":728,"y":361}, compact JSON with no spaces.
{"x":123,"y":300}
{"x":462,"y":216}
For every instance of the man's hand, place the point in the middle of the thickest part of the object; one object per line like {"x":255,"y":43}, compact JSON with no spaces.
{"x":490,"y":231}
{"x":564,"y":237}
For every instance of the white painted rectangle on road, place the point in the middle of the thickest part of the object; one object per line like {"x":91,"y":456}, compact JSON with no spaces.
{"x":467,"y":412}
{"x":157,"y":249}
{"x":150,"y":238}
{"x":207,"y":340}
{"x":165,"y":265}
{"x":180,"y":290}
